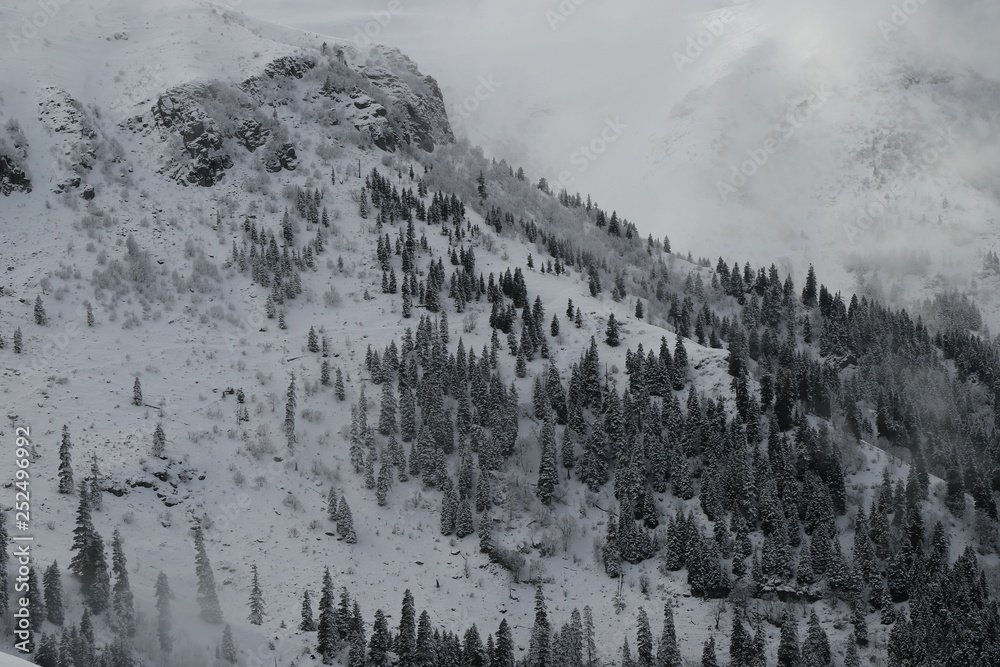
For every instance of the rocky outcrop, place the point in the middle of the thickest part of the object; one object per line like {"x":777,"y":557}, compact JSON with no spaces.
{"x":67,"y":119}
{"x":415,"y":100}
{"x":12,"y":177}
{"x":180,"y":111}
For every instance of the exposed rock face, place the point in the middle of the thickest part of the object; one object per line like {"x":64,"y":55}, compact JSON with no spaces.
{"x":180,"y":110}
{"x":283,"y":157}
{"x":208,"y":126}
{"x":66,"y":117}
{"x":252,"y":135}
{"x":12,"y":177}
{"x":416,"y":100}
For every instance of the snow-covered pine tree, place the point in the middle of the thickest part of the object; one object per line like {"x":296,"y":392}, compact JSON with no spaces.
{"x":256,"y":601}
{"x":289,"y":425}
{"x":96,"y":493}
{"x":463,"y":522}
{"x":208,"y":599}
{"x":136,"y":393}
{"x":164,"y":618}
{"x":52,"y":583}
{"x":159,"y":441}
{"x":89,"y":562}
{"x":122,"y":599}
{"x":41,"y":319}
{"x":539,"y":643}
{"x":548,"y":473}
{"x":327,"y":634}
{"x":227,"y":650}
{"x":307,"y":624}
{"x":18,"y":341}
{"x":387,"y":415}
{"x":612,"y":335}
{"x":667,"y":653}
{"x":65,"y":463}
{"x":345,"y":522}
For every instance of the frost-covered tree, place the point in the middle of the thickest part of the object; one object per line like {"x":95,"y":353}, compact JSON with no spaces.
{"x":159,"y":441}
{"x":227,"y":650}
{"x":89,"y":562}
{"x":667,"y":653}
{"x":327,"y":634}
{"x":256,"y":601}
{"x":96,"y":492}
{"x":387,"y":414}
{"x":290,"y":403}
{"x":18,"y":341}
{"x":136,"y":392}
{"x":548,"y":473}
{"x":345,"y":522}
{"x":122,"y":599}
{"x":41,"y":319}
{"x":52,"y":583}
{"x":65,"y":463}
{"x":338,"y":386}
{"x":307,"y":624}
{"x":208,"y":599}
{"x":164,"y":618}
{"x":612,"y":335}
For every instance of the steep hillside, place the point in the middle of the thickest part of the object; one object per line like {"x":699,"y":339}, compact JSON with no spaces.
{"x":263,"y":317}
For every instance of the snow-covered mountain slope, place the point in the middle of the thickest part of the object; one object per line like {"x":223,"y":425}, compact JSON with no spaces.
{"x":887,"y":169}
{"x":152,"y":140}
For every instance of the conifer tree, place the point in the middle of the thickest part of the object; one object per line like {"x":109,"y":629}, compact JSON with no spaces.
{"x":324,"y":373}
{"x":164,"y":620}
{"x":96,"y":492}
{"x":387,"y":416}
{"x":708,"y":656}
{"x":18,"y":341}
{"x":788,"y":647}
{"x":159,"y":441}
{"x":136,"y":393}
{"x":383,"y":484}
{"x":540,"y":641}
{"x":89,"y":562}
{"x":52,"y":583}
{"x":90,"y":313}
{"x":406,"y":639}
{"x":463,"y":521}
{"x":256,"y":601}
{"x":644,"y":641}
{"x":290,"y":402}
{"x":208,"y":599}
{"x":307,"y":624}
{"x":345,"y":522}
{"x":312,"y":340}
{"x":548,"y":473}
{"x":816,"y":647}
{"x":668,"y":653}
{"x":122,"y":599}
{"x":612,"y":334}
{"x":327,"y":634}
{"x":227,"y":649}
{"x":380,"y":641}
{"x":65,"y":463}
{"x":41,"y":319}
{"x":338,"y":386}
